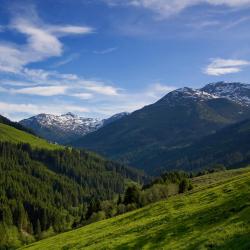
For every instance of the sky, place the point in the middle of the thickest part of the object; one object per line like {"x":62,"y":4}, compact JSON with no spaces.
{"x":96,"y":58}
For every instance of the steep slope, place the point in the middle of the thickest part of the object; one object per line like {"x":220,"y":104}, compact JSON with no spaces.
{"x":114,"y":118}
{"x":11,"y":134}
{"x":50,"y":191}
{"x":229,"y":146}
{"x":16,"y":125}
{"x":66,"y":127}
{"x":215,"y":215}
{"x":178,"y":119}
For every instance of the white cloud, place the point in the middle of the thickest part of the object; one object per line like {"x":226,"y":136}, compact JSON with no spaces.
{"x":42,"y":90}
{"x":157,"y":90}
{"x":83,"y":96}
{"x":165,"y":8}
{"x":33,"y":109}
{"x":40,"y":82}
{"x":99,"y":101}
{"x":11,"y":59}
{"x":69,"y":29}
{"x":219,"y":66}
{"x":99,"y":88}
{"x":42,"y":42}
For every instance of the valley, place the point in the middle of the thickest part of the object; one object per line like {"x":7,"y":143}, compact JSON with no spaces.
{"x":214,"y":215}
{"x":124,"y":125}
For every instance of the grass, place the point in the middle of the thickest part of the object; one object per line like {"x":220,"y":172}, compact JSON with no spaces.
{"x":215,"y":215}
{"x":10,"y":134}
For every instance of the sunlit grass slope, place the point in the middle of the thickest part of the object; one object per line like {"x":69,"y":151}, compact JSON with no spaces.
{"x":10,"y":134}
{"x":215,"y":215}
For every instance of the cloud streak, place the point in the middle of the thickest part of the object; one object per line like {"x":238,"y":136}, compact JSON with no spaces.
{"x":105,"y":51}
{"x":219,"y":66}
{"x":166,"y":8}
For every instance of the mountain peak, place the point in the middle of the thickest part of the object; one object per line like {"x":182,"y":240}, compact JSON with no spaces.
{"x":69,"y":114}
{"x":234,"y":91}
{"x":187,"y":93}
{"x":66,"y":127}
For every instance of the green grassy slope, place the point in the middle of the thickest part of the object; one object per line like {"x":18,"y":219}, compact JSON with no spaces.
{"x":215,"y":215}
{"x":11,"y":134}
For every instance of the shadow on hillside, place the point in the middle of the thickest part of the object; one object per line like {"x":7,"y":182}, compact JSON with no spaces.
{"x":234,"y":210}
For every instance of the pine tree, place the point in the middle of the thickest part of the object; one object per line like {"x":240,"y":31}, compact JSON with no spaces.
{"x":38,"y":229}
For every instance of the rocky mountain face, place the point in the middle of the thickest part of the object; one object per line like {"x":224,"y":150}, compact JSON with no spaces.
{"x":175,"y":121}
{"x":234,"y":91}
{"x":66,"y":127}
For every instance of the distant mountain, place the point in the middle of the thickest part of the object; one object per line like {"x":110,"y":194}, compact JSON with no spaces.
{"x":177,"y":120}
{"x":61,"y":128}
{"x":66,"y":127}
{"x":229,"y":146}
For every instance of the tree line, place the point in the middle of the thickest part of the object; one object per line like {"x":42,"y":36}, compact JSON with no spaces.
{"x":43,"y":190}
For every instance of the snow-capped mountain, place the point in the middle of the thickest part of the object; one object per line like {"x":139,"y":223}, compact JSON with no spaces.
{"x":177,"y":120}
{"x":70,"y":127}
{"x":186,"y":93}
{"x":234,"y":91}
{"x":63,"y":128}
{"x":66,"y":122}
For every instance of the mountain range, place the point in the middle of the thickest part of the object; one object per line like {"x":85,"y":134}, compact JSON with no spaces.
{"x":66,"y":127}
{"x":175,"y":122}
{"x":49,"y":188}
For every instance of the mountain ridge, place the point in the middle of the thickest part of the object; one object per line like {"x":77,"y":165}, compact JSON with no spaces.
{"x":65,"y":127}
{"x":178,"y":119}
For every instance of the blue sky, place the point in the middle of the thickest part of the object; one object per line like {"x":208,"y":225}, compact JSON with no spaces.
{"x":99,"y":57}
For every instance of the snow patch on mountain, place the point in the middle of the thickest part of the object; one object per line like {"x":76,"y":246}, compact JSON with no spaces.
{"x":67,"y":123}
{"x":234,"y":91}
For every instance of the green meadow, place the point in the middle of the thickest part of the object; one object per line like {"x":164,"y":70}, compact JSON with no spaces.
{"x":214,"y":215}
{"x":10,"y":134}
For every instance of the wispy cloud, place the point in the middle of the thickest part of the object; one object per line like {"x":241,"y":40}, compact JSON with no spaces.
{"x":16,"y":110}
{"x":83,"y":96}
{"x":43,"y":41}
{"x":70,"y":92}
{"x":67,"y":60}
{"x":166,"y":8}
{"x":157,"y":90}
{"x":237,"y":22}
{"x":100,"y":88}
{"x":42,"y":90}
{"x":88,"y":98}
{"x":219,"y":66}
{"x":105,"y":51}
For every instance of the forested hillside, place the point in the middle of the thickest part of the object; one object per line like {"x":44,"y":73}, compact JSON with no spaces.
{"x":214,"y":215}
{"x":47,"y":188}
{"x":229,"y":147}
